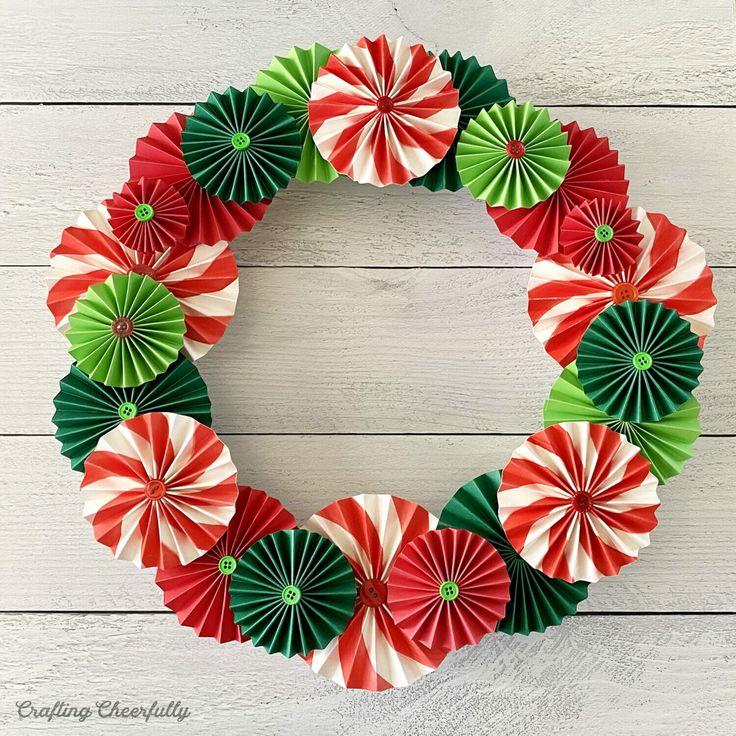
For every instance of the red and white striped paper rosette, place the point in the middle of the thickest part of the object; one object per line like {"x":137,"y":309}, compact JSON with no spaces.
{"x":204,"y":279}
{"x":670,"y":268}
{"x":384,"y":111}
{"x":577,"y":501}
{"x":373,"y":653}
{"x":159,"y":490}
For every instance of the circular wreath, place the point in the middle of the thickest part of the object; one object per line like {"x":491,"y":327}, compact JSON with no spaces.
{"x":373,"y":591}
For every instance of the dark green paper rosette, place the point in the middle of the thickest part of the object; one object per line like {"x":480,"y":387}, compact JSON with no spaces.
{"x":288,"y":80}
{"x":292,"y":591}
{"x":479,"y":89}
{"x":241,"y":146}
{"x":537,"y":601}
{"x":639,"y":361}
{"x":85,"y":409}
{"x":126,"y":330}
{"x":513,"y":156}
{"x":667,"y":444}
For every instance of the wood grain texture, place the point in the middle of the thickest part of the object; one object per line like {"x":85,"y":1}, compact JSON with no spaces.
{"x":671,"y":157}
{"x":620,"y":676}
{"x":689,"y":566}
{"x":552,"y":51}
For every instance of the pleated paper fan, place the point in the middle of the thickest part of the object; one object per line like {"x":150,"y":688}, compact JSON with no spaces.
{"x":577,"y":501}
{"x":536,"y":600}
{"x":594,"y":173}
{"x":86,"y":409}
{"x":158,"y":155}
{"x":373,"y":653}
{"x":670,"y":268}
{"x":199,"y":593}
{"x":292,"y":592}
{"x":148,"y":215}
{"x":448,"y":588}
{"x":204,"y":279}
{"x":601,"y":237}
{"x":479,"y":89}
{"x":383,"y":112}
{"x":126,"y":330}
{"x":159,"y":490}
{"x":288,"y":80}
{"x":667,"y":444}
{"x":639,"y":361}
{"x":512,"y":155}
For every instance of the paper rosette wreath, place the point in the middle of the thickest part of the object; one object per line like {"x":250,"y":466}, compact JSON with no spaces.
{"x":373,"y":591}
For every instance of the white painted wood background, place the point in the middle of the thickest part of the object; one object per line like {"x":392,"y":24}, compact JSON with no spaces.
{"x":381,"y":345}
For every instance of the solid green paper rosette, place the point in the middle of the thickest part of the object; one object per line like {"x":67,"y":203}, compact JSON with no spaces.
{"x":479,"y":89}
{"x":513,"y":156}
{"x":126,"y":330}
{"x":241,"y":146}
{"x":288,"y":80}
{"x":639,"y":361}
{"x":292,"y":591}
{"x":667,"y":444}
{"x":85,"y":409}
{"x":537,"y":601}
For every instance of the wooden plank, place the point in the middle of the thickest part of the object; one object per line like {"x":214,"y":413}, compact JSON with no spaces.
{"x":671,"y":168}
{"x":688,"y":567}
{"x":616,"y":51}
{"x":355,"y":350}
{"x":663,"y":675}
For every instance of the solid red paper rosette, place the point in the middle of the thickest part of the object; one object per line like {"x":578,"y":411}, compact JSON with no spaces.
{"x":577,"y":501}
{"x":373,"y":653}
{"x":159,"y":490}
{"x":199,"y":593}
{"x":383,"y":112}
{"x":594,"y":173}
{"x":158,"y":155}
{"x":670,"y":268}
{"x":448,"y":588}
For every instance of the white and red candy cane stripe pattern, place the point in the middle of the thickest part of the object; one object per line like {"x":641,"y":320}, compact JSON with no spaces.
{"x":204,"y":279}
{"x":179,"y":516}
{"x":373,"y":653}
{"x":384,"y":111}
{"x":577,"y":501}
{"x":671,"y":268}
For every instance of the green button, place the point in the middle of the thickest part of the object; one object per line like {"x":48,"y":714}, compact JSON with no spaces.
{"x":127,"y":410}
{"x":449,"y":591}
{"x":291,"y":595}
{"x":143,"y":212}
{"x":227,"y":565}
{"x":642,"y":361}
{"x":603,"y":233}
{"x":240,"y":141}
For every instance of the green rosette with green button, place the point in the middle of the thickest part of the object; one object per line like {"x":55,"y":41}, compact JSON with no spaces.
{"x":241,"y":146}
{"x":292,"y":591}
{"x":86,"y":409}
{"x":479,"y":90}
{"x":639,"y":361}
{"x":667,"y":444}
{"x":537,"y":601}
{"x":126,"y":330}
{"x":288,"y":80}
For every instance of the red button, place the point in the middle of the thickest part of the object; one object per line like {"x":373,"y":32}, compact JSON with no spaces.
{"x":122,"y":327}
{"x":154,"y":489}
{"x":143,"y":269}
{"x":625,"y":292}
{"x":384,"y":104}
{"x":515,"y":149}
{"x":373,"y":593}
{"x":582,"y":502}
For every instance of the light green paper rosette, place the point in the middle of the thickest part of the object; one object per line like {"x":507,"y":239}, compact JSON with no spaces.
{"x":537,"y":601}
{"x":126,"y":330}
{"x":292,"y":591}
{"x":667,"y":444}
{"x":241,"y":146}
{"x":288,"y":80}
{"x":479,"y":89}
{"x":639,"y":361}
{"x":513,"y":156}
